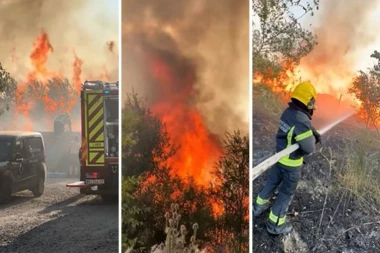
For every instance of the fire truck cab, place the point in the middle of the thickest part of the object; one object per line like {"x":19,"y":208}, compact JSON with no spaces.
{"x":99,"y":154}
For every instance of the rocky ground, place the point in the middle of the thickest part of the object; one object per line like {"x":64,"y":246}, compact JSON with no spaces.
{"x":61,"y":220}
{"x":328,"y":218}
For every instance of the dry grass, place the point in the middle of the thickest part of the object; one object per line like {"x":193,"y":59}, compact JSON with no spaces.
{"x":266,"y":101}
{"x":362,"y":162}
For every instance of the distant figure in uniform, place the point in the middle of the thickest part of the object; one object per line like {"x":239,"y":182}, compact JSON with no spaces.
{"x":61,"y":122}
{"x":73,"y":156}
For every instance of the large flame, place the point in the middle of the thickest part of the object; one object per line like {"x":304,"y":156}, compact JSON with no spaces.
{"x":73,"y":48}
{"x":43,"y":86}
{"x":193,"y":67}
{"x":199,"y":150}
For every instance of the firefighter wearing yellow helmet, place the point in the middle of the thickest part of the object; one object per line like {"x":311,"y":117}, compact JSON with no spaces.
{"x":295,"y":127}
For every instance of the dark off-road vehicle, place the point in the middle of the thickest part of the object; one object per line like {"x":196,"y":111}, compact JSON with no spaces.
{"x":22,"y":164}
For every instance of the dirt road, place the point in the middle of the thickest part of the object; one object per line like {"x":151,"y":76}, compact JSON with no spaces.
{"x":61,"y":220}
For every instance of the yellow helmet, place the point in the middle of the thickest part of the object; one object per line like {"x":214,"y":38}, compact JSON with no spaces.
{"x":306,"y":94}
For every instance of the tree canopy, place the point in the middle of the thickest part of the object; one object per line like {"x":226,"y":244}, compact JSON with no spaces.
{"x":278,"y":36}
{"x":366,"y":89}
{"x":8,"y":88}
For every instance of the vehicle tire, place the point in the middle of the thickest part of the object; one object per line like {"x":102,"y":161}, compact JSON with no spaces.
{"x":5,"y":193}
{"x":38,"y":190}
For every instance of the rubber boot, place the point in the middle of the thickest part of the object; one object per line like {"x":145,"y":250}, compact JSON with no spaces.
{"x":259,"y":209}
{"x":273,"y":229}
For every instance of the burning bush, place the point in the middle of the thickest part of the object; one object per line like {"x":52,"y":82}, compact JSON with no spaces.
{"x":54,"y":95}
{"x":366,"y":89}
{"x":279,"y":41}
{"x":150,"y":186}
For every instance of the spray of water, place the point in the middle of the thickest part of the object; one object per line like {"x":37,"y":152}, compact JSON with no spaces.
{"x":336,"y":122}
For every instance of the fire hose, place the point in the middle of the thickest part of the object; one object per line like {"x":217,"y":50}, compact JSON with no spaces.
{"x":266,"y":164}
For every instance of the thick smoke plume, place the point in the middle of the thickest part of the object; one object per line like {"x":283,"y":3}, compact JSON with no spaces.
{"x":206,"y":45}
{"x":346,"y":32}
{"x":81,"y":37}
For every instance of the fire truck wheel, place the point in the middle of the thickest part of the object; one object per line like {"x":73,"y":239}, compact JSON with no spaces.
{"x":5,"y":193}
{"x":39,"y":188}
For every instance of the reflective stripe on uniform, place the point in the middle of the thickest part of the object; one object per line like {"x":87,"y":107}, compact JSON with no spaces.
{"x":294,"y":162}
{"x":275,"y":219}
{"x":261,"y":201}
{"x":290,"y":162}
{"x":304,"y":135}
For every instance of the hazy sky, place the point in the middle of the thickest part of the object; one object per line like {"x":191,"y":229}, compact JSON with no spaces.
{"x":368,"y":29}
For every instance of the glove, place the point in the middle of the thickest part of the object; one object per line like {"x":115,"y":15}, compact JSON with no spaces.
{"x":317,"y":136}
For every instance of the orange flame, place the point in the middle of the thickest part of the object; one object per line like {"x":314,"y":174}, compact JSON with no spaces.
{"x":77,"y":70}
{"x":40,"y":78}
{"x":330,"y":106}
{"x":199,"y":150}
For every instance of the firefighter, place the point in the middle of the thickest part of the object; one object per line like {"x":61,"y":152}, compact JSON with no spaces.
{"x":60,"y":123}
{"x":295,"y":127}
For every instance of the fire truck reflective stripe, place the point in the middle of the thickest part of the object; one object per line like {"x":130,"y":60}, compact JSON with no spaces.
{"x":99,"y":136}
{"x":95,"y":124}
{"x":94,"y":134}
{"x":95,"y":128}
{"x":95,"y":115}
{"x":96,"y":157}
{"x":93,"y":98}
{"x":95,"y":111}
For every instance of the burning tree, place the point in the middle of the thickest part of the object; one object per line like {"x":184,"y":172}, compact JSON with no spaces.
{"x":8,"y":89}
{"x":150,"y":186}
{"x":279,"y":41}
{"x":232,"y":192}
{"x":146,"y":143}
{"x":366,"y":89}
{"x":56,"y":94}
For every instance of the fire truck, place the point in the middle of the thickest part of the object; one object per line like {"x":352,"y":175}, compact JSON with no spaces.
{"x":99,"y":154}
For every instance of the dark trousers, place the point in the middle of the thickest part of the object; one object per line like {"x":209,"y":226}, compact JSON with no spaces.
{"x":287,"y":179}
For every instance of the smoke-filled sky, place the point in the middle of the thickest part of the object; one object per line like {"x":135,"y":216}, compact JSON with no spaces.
{"x":347,"y":35}
{"x":208,"y":38}
{"x":84,"y":26}
{"x":69,"y":39}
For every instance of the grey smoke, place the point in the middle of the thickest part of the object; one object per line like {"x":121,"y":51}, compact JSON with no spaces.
{"x":211,"y":35}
